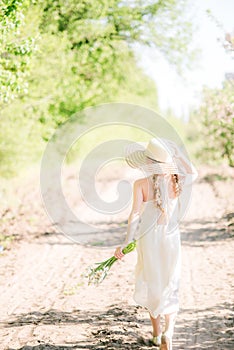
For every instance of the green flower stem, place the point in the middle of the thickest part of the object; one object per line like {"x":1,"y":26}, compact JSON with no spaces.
{"x":129,"y":248}
{"x":98,"y":274}
{"x":109,"y":262}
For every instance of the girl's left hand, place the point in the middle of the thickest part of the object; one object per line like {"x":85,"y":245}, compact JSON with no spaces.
{"x":118,"y":253}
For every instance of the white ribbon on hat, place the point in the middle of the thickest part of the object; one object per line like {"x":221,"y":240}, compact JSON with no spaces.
{"x":184,"y":165}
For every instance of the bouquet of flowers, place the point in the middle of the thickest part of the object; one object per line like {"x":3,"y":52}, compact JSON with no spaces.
{"x":97,"y":274}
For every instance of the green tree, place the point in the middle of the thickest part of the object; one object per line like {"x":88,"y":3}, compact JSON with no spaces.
{"x":100,"y":36}
{"x":164,"y":24}
{"x":214,"y":124}
{"x":16,"y":48}
{"x":84,"y":56}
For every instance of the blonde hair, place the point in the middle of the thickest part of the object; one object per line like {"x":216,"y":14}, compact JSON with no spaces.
{"x":176,"y":185}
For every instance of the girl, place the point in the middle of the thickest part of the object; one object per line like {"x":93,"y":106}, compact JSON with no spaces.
{"x":153,"y":221}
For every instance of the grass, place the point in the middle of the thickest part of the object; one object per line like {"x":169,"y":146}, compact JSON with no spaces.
{"x":215,"y":177}
{"x":6,"y":241}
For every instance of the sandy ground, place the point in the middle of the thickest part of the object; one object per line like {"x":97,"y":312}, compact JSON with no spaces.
{"x":45,"y":304}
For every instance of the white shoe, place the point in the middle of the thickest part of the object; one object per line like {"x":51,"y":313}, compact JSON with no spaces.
{"x":157,"y":340}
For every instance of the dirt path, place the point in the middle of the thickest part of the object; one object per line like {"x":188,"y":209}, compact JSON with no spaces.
{"x":46,"y":305}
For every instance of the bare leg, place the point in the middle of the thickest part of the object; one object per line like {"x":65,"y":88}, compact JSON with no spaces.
{"x":156,"y":330}
{"x":156,"y":325}
{"x":166,"y":343}
{"x":170,"y":323}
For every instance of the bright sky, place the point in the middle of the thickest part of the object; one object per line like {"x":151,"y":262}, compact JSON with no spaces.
{"x":215,"y":62}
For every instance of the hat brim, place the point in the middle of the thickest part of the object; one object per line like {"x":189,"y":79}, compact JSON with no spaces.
{"x":138,"y":159}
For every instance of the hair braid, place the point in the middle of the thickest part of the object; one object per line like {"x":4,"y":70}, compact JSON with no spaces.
{"x":157,"y":193}
{"x":176,"y":184}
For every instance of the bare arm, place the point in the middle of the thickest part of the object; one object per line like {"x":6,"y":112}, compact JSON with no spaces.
{"x":133,"y":219}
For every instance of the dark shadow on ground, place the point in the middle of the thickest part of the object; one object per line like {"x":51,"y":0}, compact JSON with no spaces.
{"x":106,"y":234}
{"x":193,"y":233}
{"x":212,"y":230}
{"x":120,"y":327}
{"x":209,"y":328}
{"x":55,"y":317}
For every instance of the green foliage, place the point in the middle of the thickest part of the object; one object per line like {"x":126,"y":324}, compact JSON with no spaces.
{"x":16,"y":50}
{"x":163,"y":24}
{"x":213,"y":125}
{"x":59,"y":57}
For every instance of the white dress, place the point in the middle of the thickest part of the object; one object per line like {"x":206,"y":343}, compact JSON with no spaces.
{"x":157,"y":272}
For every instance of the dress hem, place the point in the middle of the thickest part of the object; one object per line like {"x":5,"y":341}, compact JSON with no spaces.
{"x":152,"y":313}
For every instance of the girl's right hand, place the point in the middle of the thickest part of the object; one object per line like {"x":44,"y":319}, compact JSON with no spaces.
{"x":118,"y":253}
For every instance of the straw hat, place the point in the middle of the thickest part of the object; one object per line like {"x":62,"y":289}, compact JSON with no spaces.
{"x":155,"y":158}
